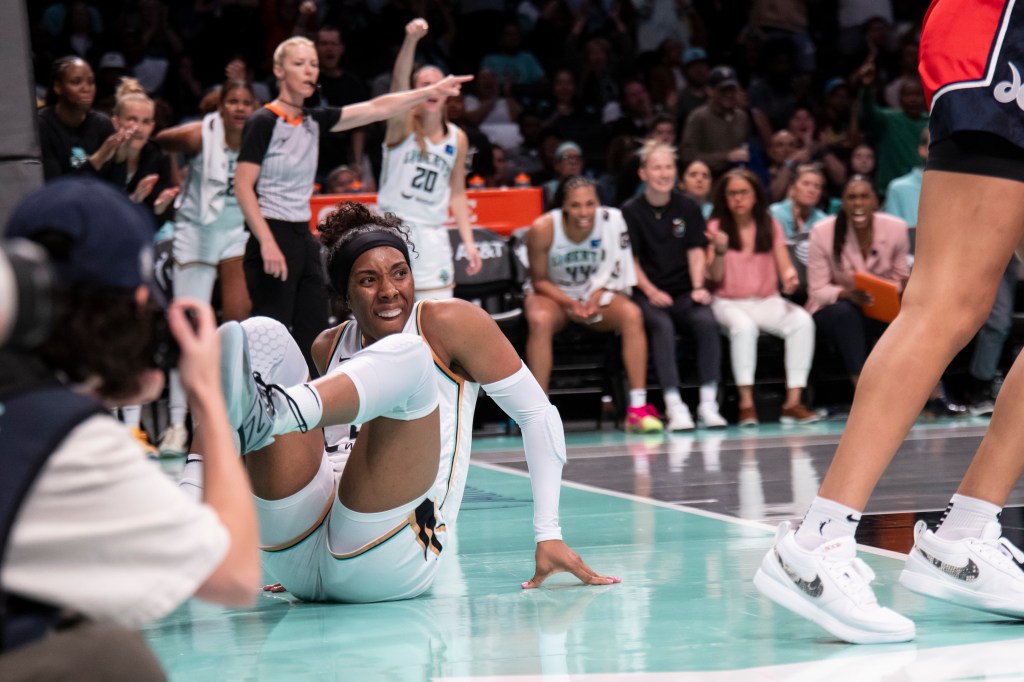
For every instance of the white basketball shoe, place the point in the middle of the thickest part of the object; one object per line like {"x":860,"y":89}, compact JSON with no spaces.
{"x":831,"y":587}
{"x":250,"y":411}
{"x":980,"y":573}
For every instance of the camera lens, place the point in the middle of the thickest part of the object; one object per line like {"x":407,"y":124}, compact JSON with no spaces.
{"x":26,"y":294}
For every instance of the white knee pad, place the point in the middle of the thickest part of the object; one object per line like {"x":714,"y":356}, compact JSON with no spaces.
{"x":273,"y":352}
{"x":394,"y":378}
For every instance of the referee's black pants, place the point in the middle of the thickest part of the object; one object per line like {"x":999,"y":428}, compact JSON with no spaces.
{"x":300,"y":302}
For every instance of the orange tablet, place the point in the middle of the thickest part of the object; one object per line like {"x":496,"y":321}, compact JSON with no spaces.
{"x":885,"y":294}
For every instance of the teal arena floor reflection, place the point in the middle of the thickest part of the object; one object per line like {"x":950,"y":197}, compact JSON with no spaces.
{"x":686,"y":609}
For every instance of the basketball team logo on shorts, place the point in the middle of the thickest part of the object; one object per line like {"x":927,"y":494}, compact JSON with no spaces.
{"x":423,"y":522}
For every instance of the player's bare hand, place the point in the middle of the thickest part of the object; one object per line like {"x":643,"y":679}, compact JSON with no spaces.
{"x":276,"y":588}
{"x":449,"y":86}
{"x":554,"y":556}
{"x":475,"y":262}
{"x":416,"y":29}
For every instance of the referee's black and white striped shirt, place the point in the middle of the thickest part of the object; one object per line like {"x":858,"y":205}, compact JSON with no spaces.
{"x":286,"y":149}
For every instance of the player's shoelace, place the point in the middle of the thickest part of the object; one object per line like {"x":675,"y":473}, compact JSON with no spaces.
{"x":854,"y":577}
{"x":266,"y":392}
{"x":1000,"y":552}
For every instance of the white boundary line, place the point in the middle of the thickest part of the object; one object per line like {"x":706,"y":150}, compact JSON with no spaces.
{"x":758,"y":525}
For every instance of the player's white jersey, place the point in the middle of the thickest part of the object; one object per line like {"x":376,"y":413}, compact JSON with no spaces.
{"x":189,"y":210}
{"x":415,"y":185}
{"x":457,"y":402}
{"x":571,"y":265}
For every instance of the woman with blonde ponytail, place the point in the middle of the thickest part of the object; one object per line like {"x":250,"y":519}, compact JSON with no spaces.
{"x":139,"y":167}
{"x":424,"y":173}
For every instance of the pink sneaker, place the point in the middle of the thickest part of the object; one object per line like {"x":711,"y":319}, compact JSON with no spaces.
{"x":643,"y":420}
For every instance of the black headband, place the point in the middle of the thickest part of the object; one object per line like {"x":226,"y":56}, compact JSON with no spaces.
{"x":341,"y":264}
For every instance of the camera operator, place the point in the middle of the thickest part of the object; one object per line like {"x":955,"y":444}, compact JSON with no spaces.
{"x":95,"y":540}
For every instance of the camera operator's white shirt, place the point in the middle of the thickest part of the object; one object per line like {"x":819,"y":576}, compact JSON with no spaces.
{"x":105,"y":532}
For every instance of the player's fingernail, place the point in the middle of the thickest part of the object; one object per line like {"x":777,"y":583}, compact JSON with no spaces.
{"x":524,"y":585}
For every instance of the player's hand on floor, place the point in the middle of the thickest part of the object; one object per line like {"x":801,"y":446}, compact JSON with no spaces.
{"x":554,"y":556}
{"x":275,"y":588}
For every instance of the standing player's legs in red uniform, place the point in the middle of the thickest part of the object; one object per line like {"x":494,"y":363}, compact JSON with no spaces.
{"x":971,"y":219}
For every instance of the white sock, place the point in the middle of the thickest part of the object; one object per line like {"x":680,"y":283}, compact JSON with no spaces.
{"x":637,"y":397}
{"x":966,"y":517}
{"x":298,"y":408}
{"x":177,"y":404}
{"x":673,"y":401}
{"x":131,"y":415}
{"x":709,"y":394}
{"x":826,"y":520}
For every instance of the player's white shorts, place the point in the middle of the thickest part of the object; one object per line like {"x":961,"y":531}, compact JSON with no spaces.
{"x":346,"y":556}
{"x":208,"y":245}
{"x":317,"y":548}
{"x":432,"y":258}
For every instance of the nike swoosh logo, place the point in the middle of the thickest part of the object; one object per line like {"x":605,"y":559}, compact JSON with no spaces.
{"x":812,"y":588}
{"x":405,"y":196}
{"x":967,"y":573}
{"x":852,"y":519}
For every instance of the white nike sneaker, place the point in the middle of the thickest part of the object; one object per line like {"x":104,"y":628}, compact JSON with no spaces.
{"x":250,"y":411}
{"x":174,"y":442}
{"x":679,"y":419}
{"x":980,"y":573}
{"x":831,"y":587}
{"x":709,"y":417}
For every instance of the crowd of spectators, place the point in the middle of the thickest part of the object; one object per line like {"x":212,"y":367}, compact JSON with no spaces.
{"x":800,"y":95}
{"x":729,"y":77}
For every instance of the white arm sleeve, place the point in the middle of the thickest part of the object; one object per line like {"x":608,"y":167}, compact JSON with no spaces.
{"x":521,"y":397}
{"x":394,"y":378}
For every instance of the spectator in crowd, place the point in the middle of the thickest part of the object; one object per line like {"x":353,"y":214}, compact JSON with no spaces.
{"x":694,"y":93}
{"x":751,"y":259}
{"x":598,"y":82}
{"x":502,"y":176}
{"x":785,"y":21}
{"x":494,"y":110}
{"x":696,"y":184}
{"x":772,"y":90}
{"x":479,"y":156}
{"x":857,"y":239}
{"x":526,"y":157}
{"x":667,"y":231}
{"x":662,"y":130}
{"x":784,"y":156}
{"x":425,"y":174}
{"x":139,"y":167}
{"x":633,"y":115}
{"x":907,"y":73}
{"x":570,"y":119}
{"x":274,"y":181}
{"x":81,"y":31}
{"x":719,"y":132}
{"x":838,"y":132}
{"x":568,"y":162}
{"x":895,"y":133}
{"x":342,"y":180}
{"x":338,"y":87}
{"x":581,"y":269}
{"x":903,"y":193}
{"x":510,"y":63}
{"x":72,"y":137}
{"x":799,"y":212}
{"x":143,"y":544}
{"x":209,"y":228}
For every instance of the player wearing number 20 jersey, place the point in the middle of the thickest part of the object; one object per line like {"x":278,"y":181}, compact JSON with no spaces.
{"x":416,"y":186}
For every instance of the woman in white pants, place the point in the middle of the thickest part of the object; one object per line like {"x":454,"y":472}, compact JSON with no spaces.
{"x":749,"y":261}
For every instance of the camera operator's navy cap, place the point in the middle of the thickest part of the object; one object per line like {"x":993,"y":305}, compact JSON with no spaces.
{"x":111,"y":238}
